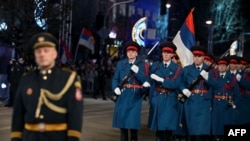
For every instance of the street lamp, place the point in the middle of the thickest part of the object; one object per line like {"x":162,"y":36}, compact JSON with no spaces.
{"x":209,"y":23}
{"x":168,"y":5}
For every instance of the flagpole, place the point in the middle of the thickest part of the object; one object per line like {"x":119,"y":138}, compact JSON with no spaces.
{"x":77,"y":46}
{"x":76,"y":52}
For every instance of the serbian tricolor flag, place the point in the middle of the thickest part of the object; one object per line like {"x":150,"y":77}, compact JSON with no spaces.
{"x":185,"y":39}
{"x":86,"y":39}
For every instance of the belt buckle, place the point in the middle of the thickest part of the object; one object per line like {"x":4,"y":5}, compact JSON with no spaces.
{"x":129,"y":85}
{"x":41,"y":127}
{"x":196,"y":91}
{"x":162,"y":90}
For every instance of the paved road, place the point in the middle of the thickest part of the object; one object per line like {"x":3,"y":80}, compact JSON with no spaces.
{"x":97,"y":124}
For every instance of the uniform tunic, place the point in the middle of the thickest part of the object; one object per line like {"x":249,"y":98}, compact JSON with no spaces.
{"x":198,"y":105}
{"x":224,"y":89}
{"x":163,"y":113}
{"x":48,"y":107}
{"x":127,"y":111}
{"x":244,"y":102}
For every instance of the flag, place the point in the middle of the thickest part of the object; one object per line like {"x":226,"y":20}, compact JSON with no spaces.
{"x":184,"y":40}
{"x":86,"y":39}
{"x":65,"y":51}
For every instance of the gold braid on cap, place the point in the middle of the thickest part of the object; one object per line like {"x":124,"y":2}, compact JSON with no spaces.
{"x":45,"y":94}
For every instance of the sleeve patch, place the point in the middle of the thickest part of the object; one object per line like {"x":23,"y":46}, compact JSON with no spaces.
{"x":78,"y":94}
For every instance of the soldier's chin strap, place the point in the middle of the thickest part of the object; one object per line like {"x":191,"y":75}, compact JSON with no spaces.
{"x":45,"y":95}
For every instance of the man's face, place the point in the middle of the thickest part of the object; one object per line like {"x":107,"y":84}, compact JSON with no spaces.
{"x":45,"y":57}
{"x":166,"y":56}
{"x":232,"y":66}
{"x":239,"y":66}
{"x":198,"y":59}
{"x":207,"y":62}
{"x":222,"y":68}
{"x":131,"y":54}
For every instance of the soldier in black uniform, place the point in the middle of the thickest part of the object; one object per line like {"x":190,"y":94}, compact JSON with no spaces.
{"x":48,"y":104}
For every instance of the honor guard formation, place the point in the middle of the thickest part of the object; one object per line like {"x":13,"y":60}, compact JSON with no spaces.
{"x":191,"y":103}
{"x":186,"y":103}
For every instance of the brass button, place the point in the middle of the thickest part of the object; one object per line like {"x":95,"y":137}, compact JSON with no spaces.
{"x":45,"y":77}
{"x":41,"y":116}
{"x":49,"y":71}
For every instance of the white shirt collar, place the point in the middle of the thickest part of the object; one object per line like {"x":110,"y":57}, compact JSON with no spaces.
{"x":166,"y":63}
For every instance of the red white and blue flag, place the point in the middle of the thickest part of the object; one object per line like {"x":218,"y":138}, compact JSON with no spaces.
{"x":184,"y":40}
{"x":87,"y":39}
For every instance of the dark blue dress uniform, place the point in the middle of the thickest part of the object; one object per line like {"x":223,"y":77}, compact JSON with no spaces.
{"x":198,"y":105}
{"x":163,"y":113}
{"x":48,"y":105}
{"x":127,"y":112}
{"x":244,"y":102}
{"x":225,"y":95}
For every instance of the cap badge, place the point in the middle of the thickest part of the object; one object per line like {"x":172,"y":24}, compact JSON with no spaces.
{"x":41,"y":39}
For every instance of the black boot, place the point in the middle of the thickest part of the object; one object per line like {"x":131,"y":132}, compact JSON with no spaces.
{"x":133,"y":135}
{"x":159,"y":136}
{"x":124,"y":134}
{"x":167,"y":135}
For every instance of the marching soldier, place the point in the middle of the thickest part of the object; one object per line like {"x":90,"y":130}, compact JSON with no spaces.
{"x":176,"y":59}
{"x":198,"y":105}
{"x":243,"y":79}
{"x":233,"y":61}
{"x":208,"y":59}
{"x":242,"y":65}
{"x":48,"y":103}
{"x":166,"y":78}
{"x":225,"y":95}
{"x":127,"y":112}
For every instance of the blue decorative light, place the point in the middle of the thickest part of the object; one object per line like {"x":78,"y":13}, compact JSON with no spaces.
{"x":38,"y":14}
{"x":137,"y":31}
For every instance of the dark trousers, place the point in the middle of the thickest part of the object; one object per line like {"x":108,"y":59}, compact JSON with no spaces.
{"x":163,"y":135}
{"x":125,"y":134}
{"x":11,"y":96}
{"x":199,"y":138}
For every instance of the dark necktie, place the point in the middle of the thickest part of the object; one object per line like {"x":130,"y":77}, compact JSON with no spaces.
{"x":165,"y":66}
{"x":221,"y":76}
{"x":198,"y":68}
{"x":130,"y":64}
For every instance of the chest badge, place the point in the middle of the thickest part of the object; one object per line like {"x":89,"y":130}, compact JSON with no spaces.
{"x":29,"y":91}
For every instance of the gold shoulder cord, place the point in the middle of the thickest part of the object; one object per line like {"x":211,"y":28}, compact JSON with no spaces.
{"x":45,"y":94}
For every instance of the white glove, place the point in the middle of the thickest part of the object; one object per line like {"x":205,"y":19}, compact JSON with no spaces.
{"x":117,"y":91}
{"x":204,"y":74}
{"x":156,"y":77}
{"x":186,"y":92}
{"x":238,"y":77}
{"x":234,"y":106}
{"x":146,"y":84}
{"x":135,"y":68}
